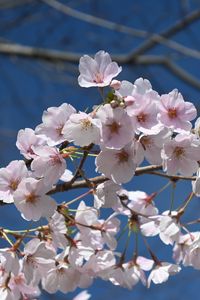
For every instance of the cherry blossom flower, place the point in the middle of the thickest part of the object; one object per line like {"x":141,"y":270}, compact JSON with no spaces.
{"x":9,"y":260}
{"x":162,"y":272}
{"x":144,"y":114}
{"x":114,"y":133}
{"x":115,"y":84}
{"x":60,"y":278}
{"x":106,"y":194}
{"x":49,"y":164}
{"x":54,"y":120}
{"x":129,"y":274}
{"x":10,"y":177}
{"x":166,"y":225}
{"x":97,"y":71}
{"x":169,"y":228}
{"x":175,"y":113}
{"x":180,"y":155}
{"x":31,"y":200}
{"x":152,"y":146}
{"x":82,"y":129}
{"x":95,"y":233}
{"x":37,"y":260}
{"x":58,"y":230}
{"x":142,"y":203}
{"x":20,"y":288}
{"x":26,"y":140}
{"x":118,"y":165}
{"x":187,"y":250}
{"x":100,"y":263}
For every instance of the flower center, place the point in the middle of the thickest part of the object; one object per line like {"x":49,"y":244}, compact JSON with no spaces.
{"x":31,"y":198}
{"x":172,"y":113}
{"x":13,"y":185}
{"x":114,"y":127}
{"x":178,"y":152}
{"x":98,"y":78}
{"x":86,"y":124}
{"x":142,"y":118}
{"x":122,"y":156}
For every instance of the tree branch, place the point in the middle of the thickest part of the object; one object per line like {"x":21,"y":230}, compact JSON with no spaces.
{"x":163,"y":36}
{"x":63,"y":187}
{"x":147,"y":45}
{"x":94,"y":20}
{"x":5,"y":4}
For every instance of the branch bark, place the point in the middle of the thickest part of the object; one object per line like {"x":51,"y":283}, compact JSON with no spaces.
{"x":63,"y":8}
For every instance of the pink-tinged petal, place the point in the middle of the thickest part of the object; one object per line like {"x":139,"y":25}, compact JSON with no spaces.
{"x":188,"y":167}
{"x":103,"y":59}
{"x":145,"y":263}
{"x":98,"y":71}
{"x":190,"y":111}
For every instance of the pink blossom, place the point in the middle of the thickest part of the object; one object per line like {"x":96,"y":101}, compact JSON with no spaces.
{"x":115,"y":84}
{"x":10,"y":177}
{"x":142,"y":203}
{"x":144,"y":114}
{"x":180,"y":155}
{"x":129,"y":274}
{"x":26,"y":140}
{"x":31,"y":200}
{"x":114,"y":133}
{"x":100,"y":263}
{"x":162,"y":272}
{"x":20,"y":288}
{"x":82,"y":129}
{"x":187,"y":250}
{"x":118,"y":165}
{"x":98,"y":71}
{"x":152,"y":146}
{"x":9,"y":260}
{"x":37,"y":260}
{"x":106,"y":194}
{"x":58,"y":230}
{"x":54,"y":120}
{"x":49,"y":164}
{"x":175,"y":113}
{"x":61,"y":278}
{"x":166,"y":225}
{"x":169,"y":227}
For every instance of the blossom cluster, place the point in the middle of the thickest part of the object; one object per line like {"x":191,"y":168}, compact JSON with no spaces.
{"x":133,"y":131}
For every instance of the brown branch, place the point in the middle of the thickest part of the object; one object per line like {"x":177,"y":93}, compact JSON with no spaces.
{"x":182,"y":74}
{"x":173,"y":177}
{"x":153,"y":38}
{"x":79,"y":171}
{"x":38,"y":53}
{"x":97,"y":180}
{"x":56,"y":55}
{"x":100,"y":179}
{"x":163,"y":36}
{"x":171,"y":66}
{"x":12,"y":4}
{"x":94,"y":20}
